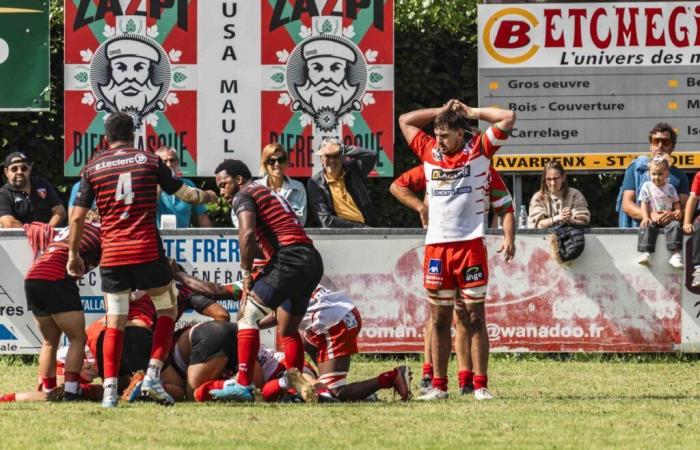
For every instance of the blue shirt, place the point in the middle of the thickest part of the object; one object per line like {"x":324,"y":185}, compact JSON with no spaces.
{"x":293,"y":191}
{"x":169,"y":204}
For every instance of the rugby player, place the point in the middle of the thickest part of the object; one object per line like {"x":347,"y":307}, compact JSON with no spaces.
{"x":455,"y":265}
{"x":54,"y":299}
{"x":123,"y":181}
{"x":284,"y":285}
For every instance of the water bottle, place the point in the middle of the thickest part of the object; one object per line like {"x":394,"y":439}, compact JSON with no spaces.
{"x":522,"y":217}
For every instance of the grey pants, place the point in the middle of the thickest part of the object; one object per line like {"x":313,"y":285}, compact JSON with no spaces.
{"x":648,"y":235}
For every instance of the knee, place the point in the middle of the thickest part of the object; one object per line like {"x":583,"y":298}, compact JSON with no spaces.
{"x":77,"y":337}
{"x":442,"y":321}
{"x":475,"y":321}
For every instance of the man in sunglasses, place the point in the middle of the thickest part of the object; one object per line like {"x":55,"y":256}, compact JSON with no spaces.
{"x":26,"y":199}
{"x":338,"y":196}
{"x":662,"y":140}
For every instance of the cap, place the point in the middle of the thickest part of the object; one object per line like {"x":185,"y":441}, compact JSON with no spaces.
{"x":326,"y":47}
{"x":16,"y":157}
{"x":131,"y":47}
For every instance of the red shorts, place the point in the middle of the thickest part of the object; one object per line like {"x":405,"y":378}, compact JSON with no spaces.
{"x":339,"y":340}
{"x":455,"y":265}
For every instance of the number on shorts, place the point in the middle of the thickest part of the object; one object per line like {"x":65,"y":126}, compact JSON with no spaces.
{"x":124,"y":191}
{"x":350,"y":321}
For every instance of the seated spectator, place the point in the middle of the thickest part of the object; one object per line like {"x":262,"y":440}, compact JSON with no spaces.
{"x":26,"y":199}
{"x":338,"y":197}
{"x":662,"y":141}
{"x":556,"y":203}
{"x":657,"y":198}
{"x":273,"y":164}
{"x":169,"y":204}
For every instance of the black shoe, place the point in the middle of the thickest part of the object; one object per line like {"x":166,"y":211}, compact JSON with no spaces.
{"x":71,"y":397}
{"x":426,"y":384}
{"x":466,"y":389}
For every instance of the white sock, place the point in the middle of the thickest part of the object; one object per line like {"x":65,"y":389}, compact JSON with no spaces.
{"x":71,"y":386}
{"x":154,"y":366}
{"x":284,"y":382}
{"x":110,"y":385}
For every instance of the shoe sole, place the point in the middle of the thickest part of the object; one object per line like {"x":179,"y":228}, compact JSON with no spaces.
{"x":153,"y":395}
{"x":302,"y":386}
{"x":404,"y":377}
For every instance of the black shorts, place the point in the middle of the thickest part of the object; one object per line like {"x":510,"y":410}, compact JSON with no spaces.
{"x":290,"y":278}
{"x":52,"y":297}
{"x":212,"y":339}
{"x":144,"y":276}
{"x":136,"y":352}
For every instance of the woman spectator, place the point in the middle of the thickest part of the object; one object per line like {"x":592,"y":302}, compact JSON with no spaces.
{"x":556,"y":203}
{"x":273,"y":164}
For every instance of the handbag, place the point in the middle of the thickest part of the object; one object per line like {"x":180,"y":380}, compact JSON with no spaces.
{"x":568,"y":242}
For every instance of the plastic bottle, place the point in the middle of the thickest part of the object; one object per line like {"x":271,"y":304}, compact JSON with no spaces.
{"x":522,"y":217}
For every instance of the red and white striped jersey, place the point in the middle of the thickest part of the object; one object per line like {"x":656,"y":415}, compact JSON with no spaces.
{"x":326,"y":309}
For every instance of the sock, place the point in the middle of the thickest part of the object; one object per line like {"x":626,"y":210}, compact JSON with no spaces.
{"x":48,"y":384}
{"x":8,"y":398}
{"x":201,"y":394}
{"x":112,"y":347}
{"x":71,"y":383}
{"x":153,"y":371}
{"x":427,"y":370}
{"x":162,"y":339}
{"x":293,"y":351}
{"x":248,"y":346}
{"x":481,"y":381}
{"x":440,"y":383}
{"x":386,"y":379}
{"x":466,"y":378}
{"x":272,"y":391}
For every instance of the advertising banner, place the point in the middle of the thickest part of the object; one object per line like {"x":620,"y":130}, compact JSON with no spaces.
{"x":591,"y":79}
{"x":24,"y":55}
{"x":220,"y":79}
{"x":603,"y":301}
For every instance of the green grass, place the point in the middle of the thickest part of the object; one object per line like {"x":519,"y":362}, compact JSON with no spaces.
{"x":542,"y":402}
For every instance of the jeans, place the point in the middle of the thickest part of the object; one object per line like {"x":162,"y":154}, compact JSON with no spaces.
{"x":647,"y":237}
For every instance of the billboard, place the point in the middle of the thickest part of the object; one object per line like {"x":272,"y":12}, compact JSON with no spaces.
{"x":219,"y":79}
{"x":590,"y":79}
{"x":24,"y":55}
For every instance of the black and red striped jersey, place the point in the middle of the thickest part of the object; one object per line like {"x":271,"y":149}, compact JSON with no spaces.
{"x":123,"y":181}
{"x":51,"y":265}
{"x":276,"y":224}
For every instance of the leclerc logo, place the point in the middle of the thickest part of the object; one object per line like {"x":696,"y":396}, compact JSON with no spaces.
{"x":506,"y":35}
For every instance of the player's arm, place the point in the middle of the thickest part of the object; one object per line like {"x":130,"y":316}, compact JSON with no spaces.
{"x":175,"y":186}
{"x":268,"y":321}
{"x":249,"y":246}
{"x":502,"y":118}
{"x":208,"y":307}
{"x":690,"y":207}
{"x":411,"y":200}
{"x":508,"y":244}
{"x":411,"y":123}
{"x":75,"y":265}
{"x":208,"y":288}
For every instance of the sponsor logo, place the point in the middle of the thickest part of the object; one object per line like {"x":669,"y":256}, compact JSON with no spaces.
{"x":496,"y":332}
{"x":506,"y":35}
{"x":93,"y":305}
{"x":6,"y":334}
{"x":450,"y":175}
{"x":435,"y":266}
{"x":437,"y":154}
{"x":41,"y":192}
{"x":141,"y":158}
{"x":448,"y":192}
{"x":119,"y":162}
{"x":11,"y":310}
{"x":473,"y":273}
{"x":350,"y":321}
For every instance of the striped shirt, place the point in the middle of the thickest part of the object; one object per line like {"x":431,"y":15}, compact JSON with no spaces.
{"x":276,"y":224}
{"x":124,"y":181}
{"x":51,"y":265}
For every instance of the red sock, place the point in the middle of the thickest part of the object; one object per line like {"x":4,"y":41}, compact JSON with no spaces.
{"x":162,"y":338}
{"x":248,"y":346}
{"x":386,"y":379}
{"x":293,"y":351}
{"x":427,"y":370}
{"x":272,"y":391}
{"x":440,"y":383}
{"x":112,"y":347}
{"x":480,"y":381}
{"x":201,"y":394}
{"x":7,"y":398}
{"x":466,"y":378}
{"x":48,"y":383}
{"x":72,"y":376}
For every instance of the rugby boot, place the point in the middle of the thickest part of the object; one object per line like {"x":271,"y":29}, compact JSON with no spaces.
{"x":301,"y":385}
{"x":483,"y":394}
{"x":234,"y":392}
{"x":153,"y":389}
{"x":433,"y":394}
{"x":402,"y":383}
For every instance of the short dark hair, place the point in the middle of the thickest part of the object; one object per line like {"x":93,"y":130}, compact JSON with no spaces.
{"x":451,"y":120}
{"x":663,"y":127}
{"x":234,"y":167}
{"x":119,"y":126}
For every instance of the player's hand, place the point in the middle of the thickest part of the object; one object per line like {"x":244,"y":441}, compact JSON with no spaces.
{"x":210,"y":197}
{"x":173,"y":266}
{"x":75,"y":266}
{"x":688,"y":228}
{"x":508,"y":249}
{"x":423,"y":212}
{"x":449,"y":105}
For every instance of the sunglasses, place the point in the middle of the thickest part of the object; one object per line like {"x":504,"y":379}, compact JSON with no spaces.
{"x":271,"y":161}
{"x":15,"y":169}
{"x":168,"y":160}
{"x":662,"y":141}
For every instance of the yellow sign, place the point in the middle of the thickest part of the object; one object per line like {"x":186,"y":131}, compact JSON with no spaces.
{"x":585,"y":161}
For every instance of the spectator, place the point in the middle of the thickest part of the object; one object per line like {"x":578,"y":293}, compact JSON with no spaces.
{"x":169,"y":204}
{"x":662,"y":140}
{"x":338,"y":197}
{"x":656,"y":197}
{"x":273,"y":164}
{"x":26,"y":199}
{"x":556,"y":202}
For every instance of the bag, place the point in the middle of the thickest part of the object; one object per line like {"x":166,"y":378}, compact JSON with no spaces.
{"x":568,"y":242}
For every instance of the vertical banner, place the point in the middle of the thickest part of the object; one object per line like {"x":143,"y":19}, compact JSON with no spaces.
{"x":220,"y":79}
{"x":24,"y":55}
{"x":138,"y":57}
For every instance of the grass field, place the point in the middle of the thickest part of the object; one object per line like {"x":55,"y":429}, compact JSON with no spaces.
{"x":541,"y":402}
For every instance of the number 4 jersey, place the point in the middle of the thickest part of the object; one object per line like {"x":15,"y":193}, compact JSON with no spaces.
{"x":123,"y":183}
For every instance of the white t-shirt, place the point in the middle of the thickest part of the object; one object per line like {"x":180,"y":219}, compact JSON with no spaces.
{"x":659,"y":198}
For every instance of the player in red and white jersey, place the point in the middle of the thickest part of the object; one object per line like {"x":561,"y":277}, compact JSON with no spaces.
{"x":54,"y":299}
{"x":456,"y":171}
{"x":285,"y":284}
{"x":123,"y":181}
